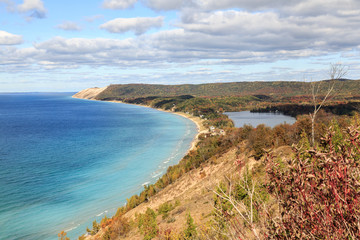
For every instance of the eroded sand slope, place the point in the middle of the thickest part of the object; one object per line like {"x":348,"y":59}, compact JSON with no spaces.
{"x":89,"y":93}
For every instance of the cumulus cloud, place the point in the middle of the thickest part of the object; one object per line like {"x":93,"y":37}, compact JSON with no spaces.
{"x":69,"y":26}
{"x":118,"y":4}
{"x":138,"y":25}
{"x":9,"y":38}
{"x":34,"y":8}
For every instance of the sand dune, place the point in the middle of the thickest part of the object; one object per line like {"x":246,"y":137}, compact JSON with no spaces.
{"x":89,"y":93}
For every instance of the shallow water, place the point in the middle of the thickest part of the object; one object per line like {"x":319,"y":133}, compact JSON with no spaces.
{"x":65,"y":162}
{"x":254,"y":119}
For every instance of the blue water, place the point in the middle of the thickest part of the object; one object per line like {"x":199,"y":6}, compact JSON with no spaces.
{"x":65,"y":162}
{"x":254,"y":119}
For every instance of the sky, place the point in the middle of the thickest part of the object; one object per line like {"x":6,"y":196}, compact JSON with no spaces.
{"x":48,"y":45}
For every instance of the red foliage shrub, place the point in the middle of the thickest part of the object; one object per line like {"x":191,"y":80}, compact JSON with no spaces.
{"x":319,"y":190}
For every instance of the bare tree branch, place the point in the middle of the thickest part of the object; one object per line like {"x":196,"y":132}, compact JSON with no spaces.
{"x":337,"y":71}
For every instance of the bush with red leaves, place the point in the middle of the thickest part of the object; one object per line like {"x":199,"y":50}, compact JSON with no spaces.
{"x":318,"y":191}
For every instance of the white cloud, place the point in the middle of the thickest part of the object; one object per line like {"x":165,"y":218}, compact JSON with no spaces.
{"x":165,"y":4}
{"x":75,"y":46}
{"x":289,"y":7}
{"x":242,"y":4}
{"x":137,"y":25}
{"x":9,"y":38}
{"x":35,"y":6}
{"x":69,"y":26}
{"x":118,"y":4}
{"x":321,"y":7}
{"x":268,"y":31}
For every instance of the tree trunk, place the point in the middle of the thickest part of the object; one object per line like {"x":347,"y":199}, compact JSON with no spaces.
{"x":312,"y":130}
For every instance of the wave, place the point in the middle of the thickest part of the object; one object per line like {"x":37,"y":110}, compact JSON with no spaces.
{"x":100,"y":214}
{"x":145,"y":183}
{"x":155,"y":175}
{"x":70,"y":229}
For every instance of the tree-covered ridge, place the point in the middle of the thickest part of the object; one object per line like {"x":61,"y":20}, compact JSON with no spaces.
{"x":277,"y":88}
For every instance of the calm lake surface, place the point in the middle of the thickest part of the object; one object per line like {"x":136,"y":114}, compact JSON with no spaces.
{"x":65,"y":162}
{"x":254,"y":119}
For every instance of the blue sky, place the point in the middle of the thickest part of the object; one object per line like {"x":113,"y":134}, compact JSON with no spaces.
{"x":71,"y":45}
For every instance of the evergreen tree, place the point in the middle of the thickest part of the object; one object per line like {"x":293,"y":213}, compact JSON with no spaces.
{"x":190,"y":231}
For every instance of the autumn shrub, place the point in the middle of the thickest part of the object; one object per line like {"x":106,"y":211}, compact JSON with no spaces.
{"x":260,"y":139}
{"x":167,"y":234}
{"x":105,"y":221}
{"x":245,"y":131}
{"x":120,"y":227}
{"x":318,"y":191}
{"x":107,"y":234}
{"x":62,"y":236}
{"x":95,"y":228}
{"x":132,"y":202}
{"x":284,"y":134}
{"x":147,"y":224}
{"x":164,"y":209}
{"x":302,"y":124}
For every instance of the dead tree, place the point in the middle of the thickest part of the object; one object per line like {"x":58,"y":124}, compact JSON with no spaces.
{"x":319,"y":97}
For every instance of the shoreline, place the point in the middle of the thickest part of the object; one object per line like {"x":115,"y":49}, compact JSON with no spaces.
{"x":197,"y":120}
{"x":91,"y":93}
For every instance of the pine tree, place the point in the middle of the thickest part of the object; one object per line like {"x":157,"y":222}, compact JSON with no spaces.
{"x":190,"y":231}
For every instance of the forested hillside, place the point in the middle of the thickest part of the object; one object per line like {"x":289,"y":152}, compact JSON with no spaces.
{"x":284,"y":89}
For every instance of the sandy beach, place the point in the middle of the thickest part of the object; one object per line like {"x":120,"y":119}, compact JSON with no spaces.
{"x":91,"y":93}
{"x":197,"y":120}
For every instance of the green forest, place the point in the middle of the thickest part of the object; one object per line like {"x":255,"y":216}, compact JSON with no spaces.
{"x":279,"y":89}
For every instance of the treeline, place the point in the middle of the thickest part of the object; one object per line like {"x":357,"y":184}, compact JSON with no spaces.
{"x":189,"y":103}
{"x":294,"y":110}
{"x":277,"y":88}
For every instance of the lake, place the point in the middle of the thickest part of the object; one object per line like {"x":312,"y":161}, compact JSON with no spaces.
{"x":255,"y":119}
{"x":65,"y":162}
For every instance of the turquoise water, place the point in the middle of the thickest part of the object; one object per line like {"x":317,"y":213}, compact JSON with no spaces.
{"x":255,"y":119}
{"x":65,"y":162}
